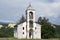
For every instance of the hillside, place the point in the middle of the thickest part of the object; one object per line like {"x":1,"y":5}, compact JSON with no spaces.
{"x":4,"y":24}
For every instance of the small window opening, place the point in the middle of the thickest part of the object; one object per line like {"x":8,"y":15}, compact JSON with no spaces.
{"x":23,"y":32}
{"x":23,"y":28}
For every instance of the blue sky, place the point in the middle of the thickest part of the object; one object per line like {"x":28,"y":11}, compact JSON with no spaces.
{"x":12,"y":10}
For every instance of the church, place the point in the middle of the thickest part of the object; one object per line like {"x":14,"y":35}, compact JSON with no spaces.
{"x":28,"y":29}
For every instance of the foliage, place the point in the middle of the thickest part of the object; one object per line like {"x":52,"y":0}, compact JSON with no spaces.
{"x":47,"y":31}
{"x":6,"y":32}
{"x":57,"y":31}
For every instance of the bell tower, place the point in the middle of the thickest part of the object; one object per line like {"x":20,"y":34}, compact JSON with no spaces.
{"x":30,"y":19}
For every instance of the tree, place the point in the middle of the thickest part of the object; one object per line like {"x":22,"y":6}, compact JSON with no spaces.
{"x":6,"y":32}
{"x":47,"y":31}
{"x":39,"y":20}
{"x":22,"y":20}
{"x":43,"y":20}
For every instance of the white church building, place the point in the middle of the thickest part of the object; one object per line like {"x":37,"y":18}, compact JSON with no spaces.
{"x":28,"y":29}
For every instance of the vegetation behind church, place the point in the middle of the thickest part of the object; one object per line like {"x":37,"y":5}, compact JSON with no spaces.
{"x":48,"y":31}
{"x":6,"y":31}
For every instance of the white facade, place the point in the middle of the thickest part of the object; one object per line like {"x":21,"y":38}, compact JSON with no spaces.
{"x":28,"y":29}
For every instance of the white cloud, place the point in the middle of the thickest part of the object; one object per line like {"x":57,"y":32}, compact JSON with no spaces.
{"x":14,"y":8}
{"x":50,"y":9}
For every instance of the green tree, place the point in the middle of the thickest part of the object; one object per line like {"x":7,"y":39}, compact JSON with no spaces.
{"x":47,"y":31}
{"x":43,"y":20}
{"x":21,"y":20}
{"x":6,"y":32}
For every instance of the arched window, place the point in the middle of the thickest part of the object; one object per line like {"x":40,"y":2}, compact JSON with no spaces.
{"x":23,"y":28}
{"x":31,"y":15}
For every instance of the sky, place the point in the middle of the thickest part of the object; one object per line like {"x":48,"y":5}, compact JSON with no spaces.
{"x":12,"y":10}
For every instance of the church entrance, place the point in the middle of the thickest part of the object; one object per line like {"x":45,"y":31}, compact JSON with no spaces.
{"x":31,"y":33}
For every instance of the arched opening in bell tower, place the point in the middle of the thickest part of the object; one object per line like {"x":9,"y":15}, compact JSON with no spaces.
{"x":30,"y":15}
{"x":31,"y":24}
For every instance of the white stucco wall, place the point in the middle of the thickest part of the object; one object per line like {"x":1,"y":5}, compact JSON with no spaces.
{"x":36,"y":32}
{"x":20,"y":30}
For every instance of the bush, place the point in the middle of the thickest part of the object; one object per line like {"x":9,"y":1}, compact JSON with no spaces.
{"x":6,"y":32}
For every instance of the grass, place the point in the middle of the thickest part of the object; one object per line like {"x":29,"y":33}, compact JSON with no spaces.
{"x":27,"y":39}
